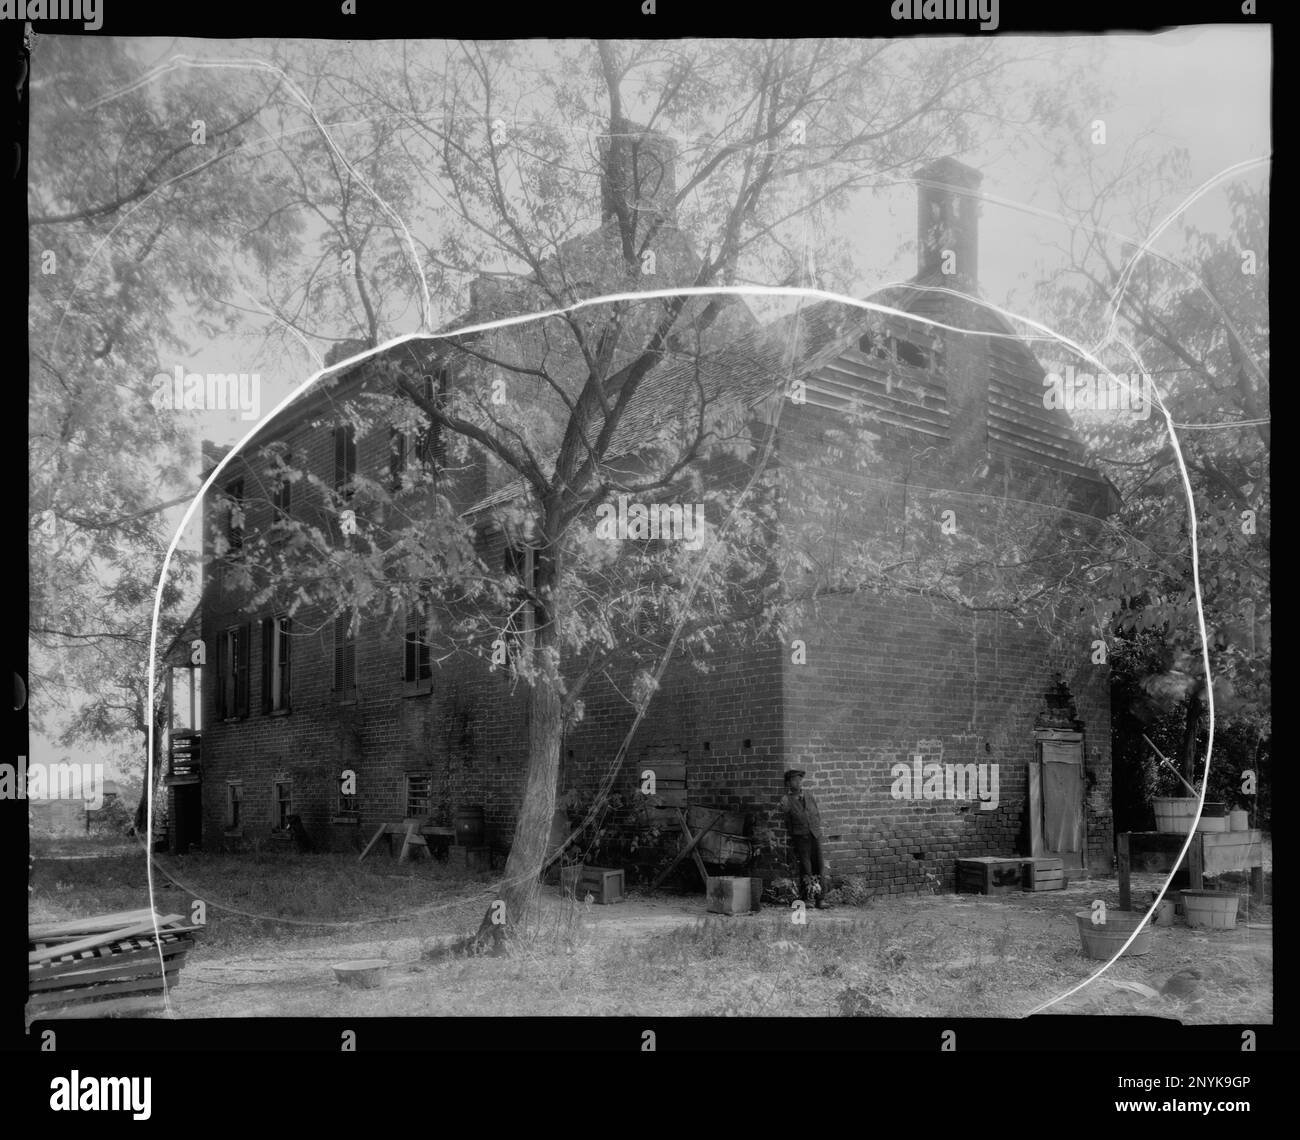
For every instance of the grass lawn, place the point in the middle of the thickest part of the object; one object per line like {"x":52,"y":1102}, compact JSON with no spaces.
{"x":939,"y":955}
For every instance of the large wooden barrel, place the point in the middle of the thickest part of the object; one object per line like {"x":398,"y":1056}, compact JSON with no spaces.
{"x":470,"y":827}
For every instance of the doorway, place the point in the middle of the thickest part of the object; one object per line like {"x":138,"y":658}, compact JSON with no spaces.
{"x":1057,"y":821}
{"x":187,"y":827}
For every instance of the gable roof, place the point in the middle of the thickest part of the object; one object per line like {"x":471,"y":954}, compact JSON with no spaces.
{"x":816,"y":342}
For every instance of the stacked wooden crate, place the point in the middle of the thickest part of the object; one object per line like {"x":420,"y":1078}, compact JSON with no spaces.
{"x":990,"y":875}
{"x":87,"y":960}
{"x":734,"y":894}
{"x":604,"y":884}
{"x":470,"y":858}
{"x":1044,"y":874}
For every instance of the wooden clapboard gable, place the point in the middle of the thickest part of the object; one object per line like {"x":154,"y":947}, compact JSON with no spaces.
{"x":889,"y":393}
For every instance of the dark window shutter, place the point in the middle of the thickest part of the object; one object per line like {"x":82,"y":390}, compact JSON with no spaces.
{"x":340,"y":636}
{"x":285,"y":629}
{"x":345,"y":656}
{"x":222,"y":687}
{"x":268,"y":649}
{"x":409,"y":672}
{"x":241,"y":697}
{"x":339,"y":452}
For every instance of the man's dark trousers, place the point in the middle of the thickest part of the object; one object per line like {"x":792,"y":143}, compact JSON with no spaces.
{"x":808,"y":852}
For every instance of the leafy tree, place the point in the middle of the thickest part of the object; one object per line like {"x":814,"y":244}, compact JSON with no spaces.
{"x":507,"y":138}
{"x":130,"y":218}
{"x":1196,"y":321}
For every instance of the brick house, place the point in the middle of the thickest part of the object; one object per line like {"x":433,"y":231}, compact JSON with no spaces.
{"x":879,"y":686}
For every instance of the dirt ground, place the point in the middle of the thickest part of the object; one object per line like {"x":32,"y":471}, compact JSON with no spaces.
{"x":1021,"y":951}
{"x":662,"y":954}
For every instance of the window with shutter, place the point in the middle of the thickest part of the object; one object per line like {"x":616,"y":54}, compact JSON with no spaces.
{"x":234,"y":804}
{"x":275,"y":664}
{"x":345,"y":659}
{"x":282,"y":804}
{"x":417,"y":663}
{"x":222,"y":689}
{"x":242,"y":686}
{"x":235,"y":516}
{"x":281,"y":491}
{"x":232,"y":673}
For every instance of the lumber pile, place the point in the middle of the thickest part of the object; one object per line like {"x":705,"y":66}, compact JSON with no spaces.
{"x":104,"y":957}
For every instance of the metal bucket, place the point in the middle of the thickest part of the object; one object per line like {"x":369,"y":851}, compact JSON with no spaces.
{"x":1102,"y":940}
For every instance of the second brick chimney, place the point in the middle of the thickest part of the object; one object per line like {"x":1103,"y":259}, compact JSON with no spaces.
{"x":947,"y":221}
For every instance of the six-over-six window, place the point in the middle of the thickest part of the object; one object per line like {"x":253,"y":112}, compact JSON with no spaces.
{"x":275,"y":664}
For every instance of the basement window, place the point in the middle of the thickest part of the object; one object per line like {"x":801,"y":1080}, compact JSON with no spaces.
{"x":234,"y":805}
{"x":282,"y":804}
{"x":419,"y":788}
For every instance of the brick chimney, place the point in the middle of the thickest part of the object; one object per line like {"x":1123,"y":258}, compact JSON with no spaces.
{"x":947,"y":221}
{"x":639,"y":167}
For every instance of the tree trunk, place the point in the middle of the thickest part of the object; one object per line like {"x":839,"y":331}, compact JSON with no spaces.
{"x":545,"y":737}
{"x":533,"y":826}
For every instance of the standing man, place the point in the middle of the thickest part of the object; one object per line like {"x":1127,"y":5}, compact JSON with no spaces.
{"x":804,"y":821}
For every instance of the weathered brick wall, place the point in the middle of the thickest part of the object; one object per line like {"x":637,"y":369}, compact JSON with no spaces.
{"x":889,"y":674}
{"x":885,"y":676}
{"x":887,"y":679}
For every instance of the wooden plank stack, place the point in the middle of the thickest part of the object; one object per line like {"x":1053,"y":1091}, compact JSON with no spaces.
{"x":87,"y":960}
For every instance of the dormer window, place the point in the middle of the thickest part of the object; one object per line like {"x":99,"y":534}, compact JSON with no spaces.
{"x":235,"y":516}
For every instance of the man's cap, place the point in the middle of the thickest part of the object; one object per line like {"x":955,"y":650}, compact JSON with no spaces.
{"x":794,"y":772}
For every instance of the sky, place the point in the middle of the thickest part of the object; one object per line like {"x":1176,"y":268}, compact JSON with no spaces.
{"x":1206,"y":89}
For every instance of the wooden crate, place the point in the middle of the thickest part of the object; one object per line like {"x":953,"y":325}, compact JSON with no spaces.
{"x":1044,"y":875}
{"x":732,"y":894}
{"x":604,"y":884}
{"x":731,"y":823}
{"x":471,"y":858}
{"x":731,"y":850}
{"x":990,"y":875}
